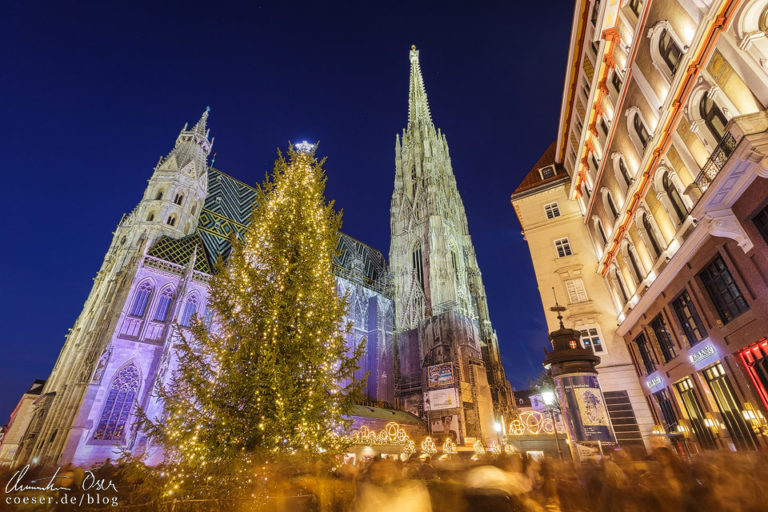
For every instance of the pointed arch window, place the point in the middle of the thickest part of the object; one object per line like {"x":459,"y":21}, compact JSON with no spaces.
{"x":674,"y":197}
{"x":140,"y":300}
{"x":713,"y":117}
{"x":641,"y":131}
{"x":122,"y":393}
{"x":418,"y":265}
{"x":190,"y":308}
{"x":171,"y":220}
{"x":455,"y":264}
{"x":651,"y":236}
{"x":163,"y":305}
{"x":178,"y":199}
{"x":159,"y":195}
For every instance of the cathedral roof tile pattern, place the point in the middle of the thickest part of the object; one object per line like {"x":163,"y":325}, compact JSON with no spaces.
{"x":227,"y":209}
{"x":534,"y":177}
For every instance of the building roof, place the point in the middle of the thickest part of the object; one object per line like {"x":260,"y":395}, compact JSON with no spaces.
{"x":365,"y":411}
{"x":37,"y":387}
{"x":534,"y":177}
{"x":227,"y":209}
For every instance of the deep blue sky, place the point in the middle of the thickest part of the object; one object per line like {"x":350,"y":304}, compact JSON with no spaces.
{"x":93,"y":94}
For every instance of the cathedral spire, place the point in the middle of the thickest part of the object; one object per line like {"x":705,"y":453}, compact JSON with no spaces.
{"x":201,"y":127}
{"x":418,"y":107}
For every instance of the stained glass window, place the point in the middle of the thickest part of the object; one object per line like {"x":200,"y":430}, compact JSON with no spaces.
{"x":189,"y":309}
{"x":120,"y":399}
{"x":161,"y":313}
{"x":139,"y":305}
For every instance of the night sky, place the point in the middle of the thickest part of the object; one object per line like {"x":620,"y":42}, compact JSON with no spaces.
{"x":93,"y":94}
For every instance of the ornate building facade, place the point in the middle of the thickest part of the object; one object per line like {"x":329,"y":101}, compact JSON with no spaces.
{"x":663,"y":135}
{"x":154,"y":277}
{"x":449,"y":363}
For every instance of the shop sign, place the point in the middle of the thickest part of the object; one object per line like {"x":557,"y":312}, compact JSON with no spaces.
{"x":702,"y":356}
{"x":654,"y":382}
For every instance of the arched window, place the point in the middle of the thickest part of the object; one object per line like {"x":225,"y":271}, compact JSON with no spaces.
{"x":635,"y":264}
{"x":674,"y":197}
{"x":178,"y":199}
{"x":171,"y":220}
{"x":651,"y":237}
{"x":117,"y":407}
{"x":159,"y":195}
{"x":150,"y":217}
{"x":611,"y":205}
{"x":713,"y":117}
{"x":670,"y":51}
{"x":601,"y":231}
{"x":620,"y":285}
{"x":143,"y":293}
{"x":163,"y":305}
{"x":641,"y":131}
{"x":418,"y":265}
{"x":190,"y":308}
{"x":455,"y":265}
{"x":624,"y":172}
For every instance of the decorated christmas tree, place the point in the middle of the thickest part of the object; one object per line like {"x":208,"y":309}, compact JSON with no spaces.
{"x":268,"y":373}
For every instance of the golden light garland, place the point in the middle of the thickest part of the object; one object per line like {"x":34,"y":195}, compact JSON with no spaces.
{"x":392,"y":434}
{"x":532,"y":423}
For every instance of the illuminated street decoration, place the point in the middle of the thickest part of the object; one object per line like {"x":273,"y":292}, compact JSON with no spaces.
{"x":304,"y":147}
{"x":449,"y":447}
{"x":392,"y":434}
{"x":532,"y":423}
{"x":428,"y":446}
{"x":479,"y":448}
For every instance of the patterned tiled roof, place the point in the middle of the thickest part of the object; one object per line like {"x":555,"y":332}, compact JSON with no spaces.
{"x":227,"y":209}
{"x":180,"y":250}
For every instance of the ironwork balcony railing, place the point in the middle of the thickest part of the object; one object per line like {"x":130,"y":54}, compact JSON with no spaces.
{"x":716,"y":161}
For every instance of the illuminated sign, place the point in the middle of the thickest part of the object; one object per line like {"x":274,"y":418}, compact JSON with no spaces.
{"x":654,"y":382}
{"x":703,"y":356}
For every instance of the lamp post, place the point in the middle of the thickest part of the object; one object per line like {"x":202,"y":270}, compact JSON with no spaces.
{"x":550,"y":400}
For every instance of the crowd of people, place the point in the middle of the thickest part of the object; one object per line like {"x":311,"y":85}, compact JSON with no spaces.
{"x":661,"y":481}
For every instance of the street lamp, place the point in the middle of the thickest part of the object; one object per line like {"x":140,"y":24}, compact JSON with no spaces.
{"x":550,"y":400}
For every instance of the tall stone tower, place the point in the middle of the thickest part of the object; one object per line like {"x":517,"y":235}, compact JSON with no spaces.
{"x":169,"y":208}
{"x":449,"y":364}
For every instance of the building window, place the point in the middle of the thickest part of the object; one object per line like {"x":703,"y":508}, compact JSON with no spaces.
{"x":595,"y":12}
{"x":418,"y":266}
{"x":178,"y":199}
{"x":122,"y":393}
{"x":150,"y":217}
{"x":695,"y":414}
{"x":611,"y":205}
{"x":455,"y":265}
{"x":689,"y":318}
{"x":730,"y":407}
{"x":635,"y":264}
{"x":723,"y":291}
{"x":603,"y":126}
{"x":594,"y":162}
{"x":674,"y":197}
{"x":616,"y":81}
{"x":641,"y":131}
{"x":576,"y":291}
{"x":670,"y":51}
{"x":139,"y":306}
{"x":590,"y":338}
{"x":713,"y":117}
{"x":547,"y":172}
{"x":563,"y":247}
{"x":171,"y":220}
{"x":159,"y":195}
{"x":761,"y":223}
{"x":623,"y":171}
{"x":667,"y":410}
{"x":163,"y":306}
{"x":208,"y":317}
{"x":645,"y":353}
{"x":552,"y":210}
{"x":600,"y":230}
{"x":663,"y":337}
{"x":651,"y":236}
{"x":190,"y":308}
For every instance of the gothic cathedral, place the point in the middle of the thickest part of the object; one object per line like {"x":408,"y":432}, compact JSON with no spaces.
{"x":430,"y":346}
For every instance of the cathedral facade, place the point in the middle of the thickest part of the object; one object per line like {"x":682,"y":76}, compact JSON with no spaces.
{"x":430,"y":348}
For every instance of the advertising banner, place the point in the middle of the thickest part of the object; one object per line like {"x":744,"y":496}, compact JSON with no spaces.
{"x":582,"y":399}
{"x":440,"y":375}
{"x":441,"y":399}
{"x":446,"y":426}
